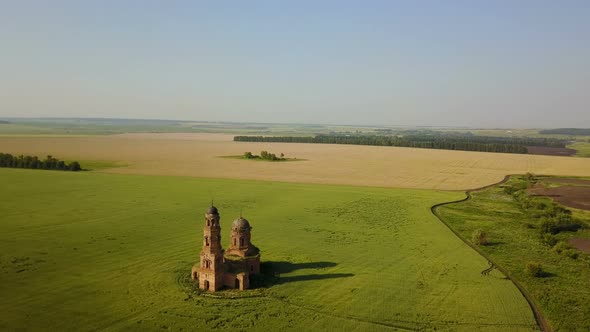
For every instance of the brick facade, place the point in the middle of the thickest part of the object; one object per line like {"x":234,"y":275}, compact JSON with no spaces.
{"x":218,"y":268}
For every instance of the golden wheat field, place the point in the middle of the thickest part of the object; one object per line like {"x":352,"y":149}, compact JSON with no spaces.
{"x":198,"y":155}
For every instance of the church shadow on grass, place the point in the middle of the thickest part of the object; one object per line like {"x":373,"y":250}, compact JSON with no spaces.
{"x":272,"y":273}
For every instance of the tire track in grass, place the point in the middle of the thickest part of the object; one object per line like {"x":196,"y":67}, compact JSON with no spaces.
{"x":182,"y":280}
{"x":541,"y":321}
{"x":397,"y":324}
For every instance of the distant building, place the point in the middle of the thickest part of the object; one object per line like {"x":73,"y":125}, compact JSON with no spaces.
{"x":232,"y":268}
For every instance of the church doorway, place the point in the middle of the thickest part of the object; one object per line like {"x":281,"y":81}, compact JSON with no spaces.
{"x":206,"y":284}
{"x":237,"y":283}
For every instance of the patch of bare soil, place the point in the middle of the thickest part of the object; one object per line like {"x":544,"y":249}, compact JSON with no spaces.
{"x":568,"y":180}
{"x":581,"y":244}
{"x":571,"y":196}
{"x":543,"y":150}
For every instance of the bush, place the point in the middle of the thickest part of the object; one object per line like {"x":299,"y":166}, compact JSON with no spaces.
{"x":567,"y":250}
{"x":571,"y":253}
{"x":74,"y":166}
{"x":549,"y":239}
{"x":561,"y":246}
{"x":525,"y":202}
{"x":534,"y":269}
{"x":565,"y":223}
{"x":479,"y":237}
{"x":549,"y":226}
{"x":540,"y":205}
{"x":510,"y":190}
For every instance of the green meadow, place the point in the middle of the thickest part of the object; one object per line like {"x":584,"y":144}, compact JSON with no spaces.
{"x":91,"y":251}
{"x":515,"y":240}
{"x":582,"y":148}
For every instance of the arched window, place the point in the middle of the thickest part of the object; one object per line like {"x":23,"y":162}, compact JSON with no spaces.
{"x":208,"y":222}
{"x":234,"y":241}
{"x":207,"y":241}
{"x":241,"y":242}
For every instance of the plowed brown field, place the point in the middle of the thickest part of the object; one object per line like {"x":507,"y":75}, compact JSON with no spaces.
{"x":197,"y":155}
{"x":572,"y":196}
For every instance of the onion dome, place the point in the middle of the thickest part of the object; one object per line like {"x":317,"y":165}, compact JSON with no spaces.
{"x":241,"y":224}
{"x":212,"y":210}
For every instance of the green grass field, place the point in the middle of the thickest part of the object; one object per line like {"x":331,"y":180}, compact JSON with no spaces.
{"x":582,"y":148}
{"x":515,"y":240}
{"x":88,"y":251}
{"x":520,"y":133}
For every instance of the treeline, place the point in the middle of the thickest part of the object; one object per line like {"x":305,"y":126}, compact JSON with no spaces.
{"x":525,"y":141}
{"x":475,"y":143}
{"x":566,"y":131}
{"x":32,"y":162}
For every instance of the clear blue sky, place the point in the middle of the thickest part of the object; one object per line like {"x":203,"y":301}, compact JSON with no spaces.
{"x":464,"y":63}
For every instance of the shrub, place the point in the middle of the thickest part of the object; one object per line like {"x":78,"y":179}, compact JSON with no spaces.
{"x":510,"y":190}
{"x":540,"y":205}
{"x":75,"y":166}
{"x":565,"y":223}
{"x":562,"y":222}
{"x":268,"y":156}
{"x":534,"y":269}
{"x":549,"y":239}
{"x":549,"y":226}
{"x":525,"y":202}
{"x":571,"y":253}
{"x":561,"y":246}
{"x":479,"y":237}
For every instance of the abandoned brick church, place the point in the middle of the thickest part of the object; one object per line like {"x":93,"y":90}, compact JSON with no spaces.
{"x":232,"y":268}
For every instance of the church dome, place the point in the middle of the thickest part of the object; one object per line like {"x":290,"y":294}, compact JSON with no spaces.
{"x":241,"y":224}
{"x":212,"y":210}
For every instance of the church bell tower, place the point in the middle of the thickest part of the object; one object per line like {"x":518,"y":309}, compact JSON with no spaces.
{"x":210,"y":273}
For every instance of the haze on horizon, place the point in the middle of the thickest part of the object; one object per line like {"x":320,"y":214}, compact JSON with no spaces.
{"x":410,"y":63}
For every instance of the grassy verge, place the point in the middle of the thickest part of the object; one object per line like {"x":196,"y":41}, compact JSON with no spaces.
{"x":515,"y":240}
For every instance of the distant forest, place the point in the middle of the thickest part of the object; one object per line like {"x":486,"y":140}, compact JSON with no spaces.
{"x":441,"y":141}
{"x":566,"y":131}
{"x":32,"y":162}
